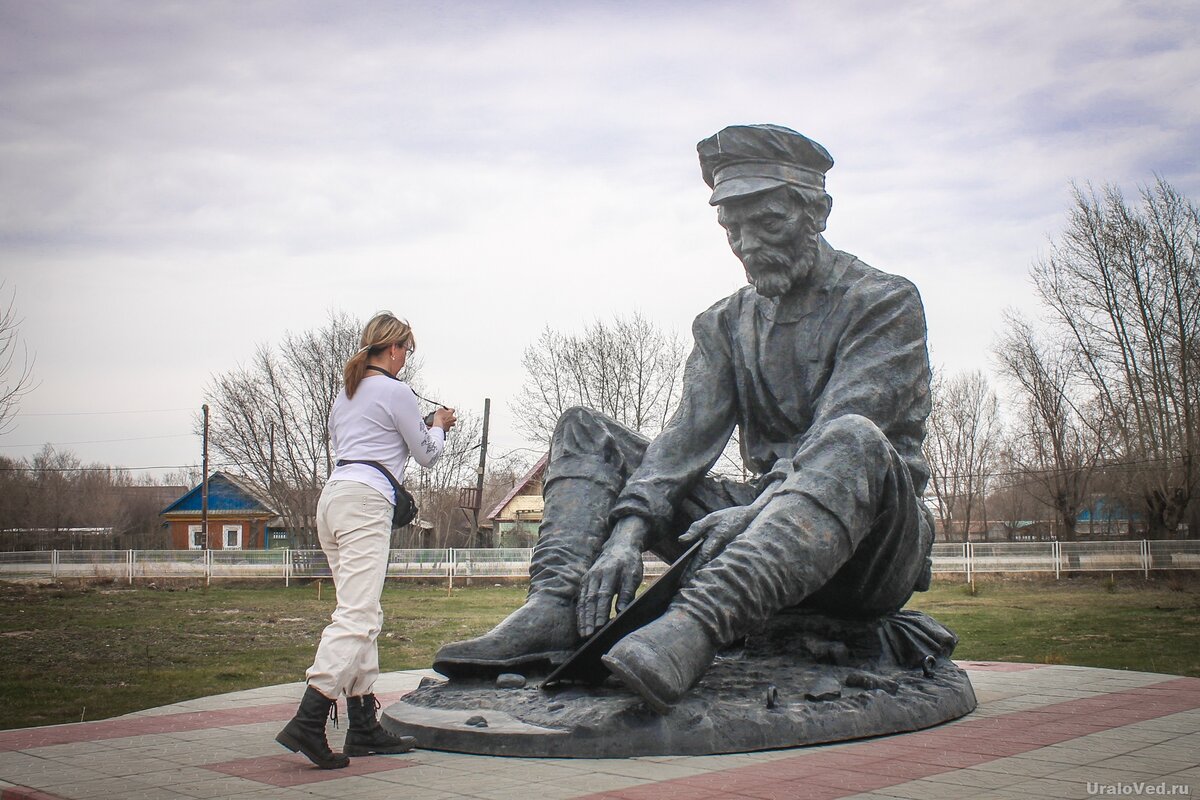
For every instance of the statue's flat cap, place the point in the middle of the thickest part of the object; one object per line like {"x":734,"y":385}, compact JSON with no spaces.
{"x":748,"y":159}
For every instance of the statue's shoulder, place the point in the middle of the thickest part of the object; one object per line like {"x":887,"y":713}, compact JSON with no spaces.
{"x":860,"y":281}
{"x":725,"y":309}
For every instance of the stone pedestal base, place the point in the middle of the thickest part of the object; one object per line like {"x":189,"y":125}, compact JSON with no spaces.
{"x":807,"y":680}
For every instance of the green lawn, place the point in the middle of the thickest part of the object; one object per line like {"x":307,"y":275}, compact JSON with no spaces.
{"x":72,"y":652}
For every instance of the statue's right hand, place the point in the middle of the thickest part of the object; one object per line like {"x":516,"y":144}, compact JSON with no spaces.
{"x":717,"y":530}
{"x":616,"y":573}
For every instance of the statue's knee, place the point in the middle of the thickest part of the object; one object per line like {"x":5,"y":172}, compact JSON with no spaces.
{"x":581,"y":431}
{"x":576,"y":417}
{"x":855,"y":429}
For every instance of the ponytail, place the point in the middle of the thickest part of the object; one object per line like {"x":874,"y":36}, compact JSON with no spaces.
{"x":381,"y":332}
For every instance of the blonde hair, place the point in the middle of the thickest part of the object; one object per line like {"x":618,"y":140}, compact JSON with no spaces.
{"x":381,"y":332}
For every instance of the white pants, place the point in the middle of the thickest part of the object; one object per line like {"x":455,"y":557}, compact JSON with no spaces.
{"x":354,"y":526}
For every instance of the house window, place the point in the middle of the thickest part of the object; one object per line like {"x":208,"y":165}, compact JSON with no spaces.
{"x":195,"y":537}
{"x":231,"y":537}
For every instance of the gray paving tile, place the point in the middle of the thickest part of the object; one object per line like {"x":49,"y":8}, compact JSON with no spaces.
{"x":1137,"y":762}
{"x":979,"y":779}
{"x":1054,"y":789}
{"x":452,"y":780}
{"x":928,"y":790}
{"x":101,"y":788}
{"x":1022,"y":765}
{"x":1137,"y":733}
{"x":592,"y":782}
{"x":1065,"y":754}
{"x":1105,"y":774}
{"x":645,"y":771}
{"x":217,"y":786}
{"x":538,"y":791}
{"x":51,"y":775}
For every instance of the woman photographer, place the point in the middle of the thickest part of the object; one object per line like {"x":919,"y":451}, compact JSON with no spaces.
{"x":375,"y":418}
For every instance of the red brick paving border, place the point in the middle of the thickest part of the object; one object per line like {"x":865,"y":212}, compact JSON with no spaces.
{"x":25,"y":793}
{"x":120,"y":727}
{"x":879,"y":763}
{"x":825,"y":774}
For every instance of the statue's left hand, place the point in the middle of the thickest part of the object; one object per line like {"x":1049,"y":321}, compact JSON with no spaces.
{"x":616,"y":573}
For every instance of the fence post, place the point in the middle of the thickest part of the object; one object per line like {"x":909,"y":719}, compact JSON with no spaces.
{"x":1056,"y":549}
{"x":129,"y":560}
{"x":1146,"y":557}
{"x":968,"y":554}
{"x":450,"y":569}
{"x":287,"y":567}
{"x":54,"y":565}
{"x":207,"y":567}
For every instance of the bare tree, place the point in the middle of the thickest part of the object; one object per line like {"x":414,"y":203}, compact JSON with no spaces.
{"x":16,"y":365}
{"x":627,"y":368}
{"x":1011,"y":498}
{"x":1056,"y":435}
{"x":961,"y":445}
{"x":1124,"y":282}
{"x":52,"y":500}
{"x":438,"y":488}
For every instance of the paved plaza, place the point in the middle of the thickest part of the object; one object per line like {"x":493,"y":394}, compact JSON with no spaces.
{"x":1039,"y":732}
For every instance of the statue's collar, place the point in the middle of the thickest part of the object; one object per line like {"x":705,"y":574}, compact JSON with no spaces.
{"x":811,"y":295}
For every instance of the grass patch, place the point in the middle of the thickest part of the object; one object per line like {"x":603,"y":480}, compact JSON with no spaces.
{"x":92,"y":652}
{"x":1151,"y":626}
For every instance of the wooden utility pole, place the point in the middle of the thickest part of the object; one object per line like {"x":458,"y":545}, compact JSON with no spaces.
{"x":204,"y":483}
{"x":487,"y":413}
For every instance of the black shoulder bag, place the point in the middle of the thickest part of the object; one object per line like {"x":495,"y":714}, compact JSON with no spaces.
{"x":406,"y":507}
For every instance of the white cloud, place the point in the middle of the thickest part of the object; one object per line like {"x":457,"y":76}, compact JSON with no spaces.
{"x":179,"y":182}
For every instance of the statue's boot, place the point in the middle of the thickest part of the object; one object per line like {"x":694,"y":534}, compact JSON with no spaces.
{"x":664,"y":659}
{"x":538,"y":635}
{"x":542,"y":633}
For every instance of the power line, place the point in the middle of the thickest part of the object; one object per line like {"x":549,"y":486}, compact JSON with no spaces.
{"x":97,"y":413}
{"x":106,"y":441}
{"x":113,"y":468}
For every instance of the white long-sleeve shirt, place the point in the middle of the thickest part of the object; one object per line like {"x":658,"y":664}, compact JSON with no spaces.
{"x":383,"y":423}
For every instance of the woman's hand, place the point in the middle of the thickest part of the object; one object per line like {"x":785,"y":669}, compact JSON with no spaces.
{"x":445,"y":419}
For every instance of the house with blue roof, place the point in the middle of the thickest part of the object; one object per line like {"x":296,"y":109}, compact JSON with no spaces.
{"x":240,"y":517}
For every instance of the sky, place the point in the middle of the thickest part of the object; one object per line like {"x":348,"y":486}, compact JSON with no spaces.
{"x":183,"y":182}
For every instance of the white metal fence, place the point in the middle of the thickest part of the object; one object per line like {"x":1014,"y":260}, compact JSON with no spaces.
{"x":948,"y":559}
{"x":1059,"y":557}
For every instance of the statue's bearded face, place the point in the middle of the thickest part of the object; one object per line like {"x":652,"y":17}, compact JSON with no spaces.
{"x":775,"y":235}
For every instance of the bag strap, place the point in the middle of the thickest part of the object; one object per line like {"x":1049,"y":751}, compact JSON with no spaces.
{"x":381,"y":371}
{"x":396,"y":485}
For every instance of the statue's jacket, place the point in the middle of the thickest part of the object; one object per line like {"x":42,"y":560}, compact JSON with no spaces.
{"x":851,"y":340}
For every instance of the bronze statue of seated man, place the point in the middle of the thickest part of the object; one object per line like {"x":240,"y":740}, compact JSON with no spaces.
{"x":821,"y":362}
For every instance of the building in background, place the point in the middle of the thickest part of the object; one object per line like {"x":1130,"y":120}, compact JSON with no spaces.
{"x":515,"y":519}
{"x":240,"y":517}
